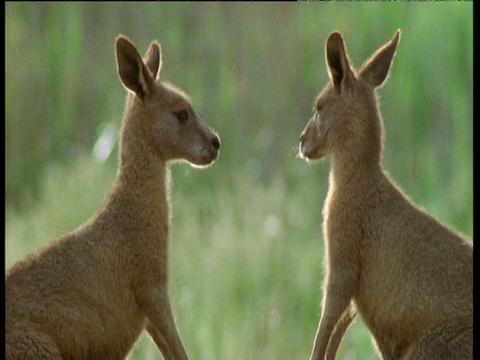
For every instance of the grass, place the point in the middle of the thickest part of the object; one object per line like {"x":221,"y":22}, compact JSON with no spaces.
{"x":246,"y":246}
{"x":246,"y":259}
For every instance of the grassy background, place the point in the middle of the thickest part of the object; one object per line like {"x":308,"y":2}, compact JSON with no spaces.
{"x":246,"y":243}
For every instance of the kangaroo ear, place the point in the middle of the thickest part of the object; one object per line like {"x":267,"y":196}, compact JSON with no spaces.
{"x":153,"y":59}
{"x":337,"y":60}
{"x":133,"y":72}
{"x":375,"y":70}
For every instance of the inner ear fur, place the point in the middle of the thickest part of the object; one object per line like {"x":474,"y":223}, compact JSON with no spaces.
{"x":133,"y":72}
{"x":339,"y":67}
{"x":153,"y":58}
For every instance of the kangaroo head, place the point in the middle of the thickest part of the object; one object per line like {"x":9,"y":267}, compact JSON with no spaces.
{"x":346,"y":118}
{"x":158,"y":114}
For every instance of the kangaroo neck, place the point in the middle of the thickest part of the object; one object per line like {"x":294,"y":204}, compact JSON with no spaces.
{"x":352,"y":172}
{"x":139,"y":195}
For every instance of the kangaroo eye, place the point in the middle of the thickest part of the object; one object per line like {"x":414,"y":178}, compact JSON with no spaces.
{"x":181,"y":115}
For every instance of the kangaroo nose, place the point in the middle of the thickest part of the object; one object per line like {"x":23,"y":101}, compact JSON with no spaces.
{"x":216,"y":142}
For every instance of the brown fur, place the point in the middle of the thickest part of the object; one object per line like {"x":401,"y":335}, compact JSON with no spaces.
{"x":408,"y":276}
{"x":89,"y":294}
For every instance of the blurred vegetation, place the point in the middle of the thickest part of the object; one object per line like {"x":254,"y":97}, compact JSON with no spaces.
{"x":246,"y":242}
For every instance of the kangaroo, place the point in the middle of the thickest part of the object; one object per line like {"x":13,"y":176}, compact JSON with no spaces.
{"x":89,"y":294}
{"x":408,"y":276}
